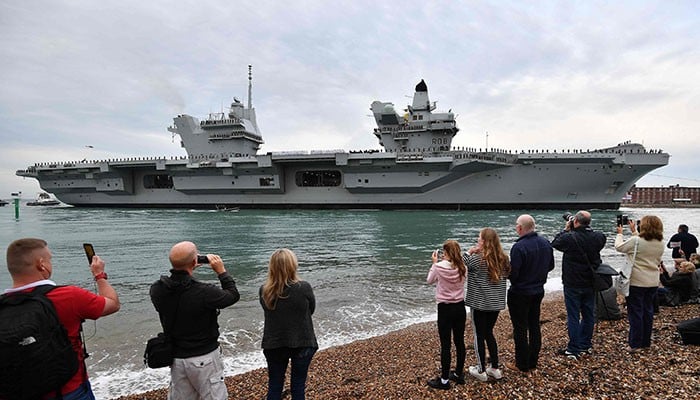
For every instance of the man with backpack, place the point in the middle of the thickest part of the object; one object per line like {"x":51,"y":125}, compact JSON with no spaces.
{"x":39,"y":365}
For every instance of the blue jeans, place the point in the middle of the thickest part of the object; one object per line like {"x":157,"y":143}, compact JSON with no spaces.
{"x":277,"y":361}
{"x":580,"y":306}
{"x":640,"y":314}
{"x":84,"y":392}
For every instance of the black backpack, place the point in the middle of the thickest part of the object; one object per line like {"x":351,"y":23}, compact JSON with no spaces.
{"x":36,"y":356}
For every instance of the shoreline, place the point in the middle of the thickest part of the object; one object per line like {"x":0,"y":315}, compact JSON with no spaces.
{"x":397,"y":365}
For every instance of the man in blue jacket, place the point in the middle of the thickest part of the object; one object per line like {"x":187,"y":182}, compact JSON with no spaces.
{"x":531,"y":259}
{"x":581,"y":246}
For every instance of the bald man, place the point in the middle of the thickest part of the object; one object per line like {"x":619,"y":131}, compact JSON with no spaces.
{"x":581,"y":246}
{"x":29,"y":262}
{"x":531,"y":259}
{"x":188,"y":311}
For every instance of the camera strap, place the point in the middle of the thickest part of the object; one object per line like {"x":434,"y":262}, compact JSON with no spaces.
{"x":588,"y":260}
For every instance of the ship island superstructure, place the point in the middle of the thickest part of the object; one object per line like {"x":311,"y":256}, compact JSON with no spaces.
{"x":417,"y":168}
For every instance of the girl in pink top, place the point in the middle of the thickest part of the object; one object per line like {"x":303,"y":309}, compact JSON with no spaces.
{"x":449,"y":274}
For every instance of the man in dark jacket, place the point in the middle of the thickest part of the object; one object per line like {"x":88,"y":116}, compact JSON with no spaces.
{"x":683,"y":243}
{"x":531,"y":259}
{"x":188,"y":311}
{"x":581,"y":246}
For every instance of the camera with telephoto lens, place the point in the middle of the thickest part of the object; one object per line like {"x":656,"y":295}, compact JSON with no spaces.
{"x":568,"y":217}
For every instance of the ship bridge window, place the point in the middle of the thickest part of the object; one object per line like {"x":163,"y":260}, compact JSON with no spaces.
{"x":161,"y":181}
{"x":318,"y":178}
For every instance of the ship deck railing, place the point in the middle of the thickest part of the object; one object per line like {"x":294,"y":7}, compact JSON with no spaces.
{"x":458,"y":152}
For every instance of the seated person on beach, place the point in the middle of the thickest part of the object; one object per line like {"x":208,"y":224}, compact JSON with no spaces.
{"x":680,"y":287}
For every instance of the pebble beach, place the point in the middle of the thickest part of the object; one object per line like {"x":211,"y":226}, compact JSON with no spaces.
{"x":398,"y":364}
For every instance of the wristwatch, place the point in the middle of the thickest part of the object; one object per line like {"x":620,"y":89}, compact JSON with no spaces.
{"x":101,"y":275}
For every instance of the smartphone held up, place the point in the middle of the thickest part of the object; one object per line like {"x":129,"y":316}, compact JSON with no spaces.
{"x":89,"y":251}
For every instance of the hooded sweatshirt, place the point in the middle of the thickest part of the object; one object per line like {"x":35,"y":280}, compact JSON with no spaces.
{"x":450,"y":286}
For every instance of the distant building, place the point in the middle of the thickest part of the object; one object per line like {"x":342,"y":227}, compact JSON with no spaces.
{"x":667,"y":196}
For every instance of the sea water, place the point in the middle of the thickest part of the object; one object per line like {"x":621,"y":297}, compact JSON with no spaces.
{"x":367,"y":268}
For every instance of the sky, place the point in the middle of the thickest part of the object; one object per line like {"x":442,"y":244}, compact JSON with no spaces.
{"x":98,"y":80}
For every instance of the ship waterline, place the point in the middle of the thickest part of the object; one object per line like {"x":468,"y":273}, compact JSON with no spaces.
{"x":417,"y":168}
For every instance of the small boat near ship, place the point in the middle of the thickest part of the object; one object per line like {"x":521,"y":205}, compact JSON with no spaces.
{"x":417,"y":168}
{"x":3,"y":203}
{"x":44,"y":199}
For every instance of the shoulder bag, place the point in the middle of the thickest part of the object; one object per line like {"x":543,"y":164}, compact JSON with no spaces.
{"x":159,"y":350}
{"x":602,"y":273}
{"x":622,"y":284}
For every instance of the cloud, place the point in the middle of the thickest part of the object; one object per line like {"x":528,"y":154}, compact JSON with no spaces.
{"x":545,"y":75}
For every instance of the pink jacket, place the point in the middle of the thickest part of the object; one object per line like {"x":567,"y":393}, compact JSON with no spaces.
{"x":450,"y":286}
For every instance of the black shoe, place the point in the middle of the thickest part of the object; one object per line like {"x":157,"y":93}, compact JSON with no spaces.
{"x":458,"y":378}
{"x":436,"y":383}
{"x":568,"y":354}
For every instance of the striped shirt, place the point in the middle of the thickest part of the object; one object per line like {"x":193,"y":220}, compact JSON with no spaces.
{"x":482,"y":294}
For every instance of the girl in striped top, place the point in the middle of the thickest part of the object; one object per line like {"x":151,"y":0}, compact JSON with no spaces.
{"x":488,"y":267}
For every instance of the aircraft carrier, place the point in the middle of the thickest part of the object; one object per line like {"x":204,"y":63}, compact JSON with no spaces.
{"x":417,"y":168}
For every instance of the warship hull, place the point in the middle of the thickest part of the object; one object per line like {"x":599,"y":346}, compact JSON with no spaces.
{"x":416,"y":168}
{"x":453,"y":180}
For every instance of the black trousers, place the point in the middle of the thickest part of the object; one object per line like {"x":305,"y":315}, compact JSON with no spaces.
{"x":525,"y":315}
{"x":452,"y":317}
{"x":483,"y":323}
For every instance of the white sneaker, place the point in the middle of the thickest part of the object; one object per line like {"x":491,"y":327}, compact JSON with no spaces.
{"x":474,"y":371}
{"x":494,"y":373}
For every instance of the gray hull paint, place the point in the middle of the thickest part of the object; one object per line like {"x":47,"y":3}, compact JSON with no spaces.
{"x":418,"y":168}
{"x":598,"y":181}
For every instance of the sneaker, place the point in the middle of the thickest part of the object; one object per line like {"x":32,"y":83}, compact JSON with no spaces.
{"x":480,"y":375}
{"x":458,"y":378}
{"x":494,"y":373}
{"x":436,"y":383}
{"x":587,"y":352}
{"x":568,"y":354}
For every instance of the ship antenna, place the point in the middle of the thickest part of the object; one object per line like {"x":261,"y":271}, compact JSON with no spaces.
{"x":250,"y":86}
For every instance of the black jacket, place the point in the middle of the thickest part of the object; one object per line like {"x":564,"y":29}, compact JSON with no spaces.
{"x":682,"y":286}
{"x":575,"y":266}
{"x":195,"y":329}
{"x":689,"y":244}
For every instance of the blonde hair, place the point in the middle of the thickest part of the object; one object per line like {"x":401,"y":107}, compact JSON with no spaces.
{"x":496,"y":259}
{"x":454,"y":253}
{"x":282,"y":272}
{"x":686,"y":267}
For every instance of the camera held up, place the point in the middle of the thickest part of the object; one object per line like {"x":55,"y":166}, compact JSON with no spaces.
{"x":623,"y":220}
{"x":568,"y":217}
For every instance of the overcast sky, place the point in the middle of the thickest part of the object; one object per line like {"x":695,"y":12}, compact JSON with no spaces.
{"x":534,"y":75}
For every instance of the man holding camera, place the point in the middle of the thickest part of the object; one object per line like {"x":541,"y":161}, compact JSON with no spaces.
{"x":188,"y":311}
{"x":581,"y":246}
